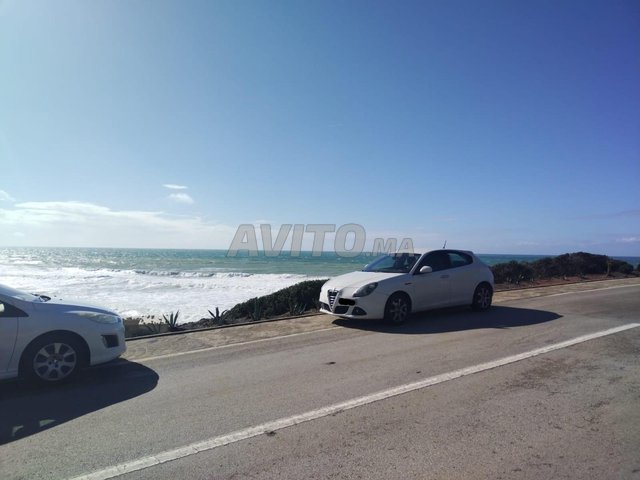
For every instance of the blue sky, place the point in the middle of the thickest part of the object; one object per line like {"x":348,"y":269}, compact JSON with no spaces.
{"x":499,"y":126}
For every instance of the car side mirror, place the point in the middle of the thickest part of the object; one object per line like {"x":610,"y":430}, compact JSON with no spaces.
{"x":1,"y":308}
{"x":426,"y":269}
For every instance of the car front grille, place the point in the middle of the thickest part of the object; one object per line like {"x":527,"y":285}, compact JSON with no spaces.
{"x":332,"y":294}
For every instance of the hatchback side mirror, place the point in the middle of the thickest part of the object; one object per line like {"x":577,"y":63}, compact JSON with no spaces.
{"x":426,"y":269}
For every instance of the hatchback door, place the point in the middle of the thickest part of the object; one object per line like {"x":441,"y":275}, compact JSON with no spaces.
{"x":463,"y":275}
{"x":430,"y":290}
{"x":433,"y":289}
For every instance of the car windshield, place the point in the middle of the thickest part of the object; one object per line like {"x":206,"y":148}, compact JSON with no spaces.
{"x":395,"y":263}
{"x":13,"y":293}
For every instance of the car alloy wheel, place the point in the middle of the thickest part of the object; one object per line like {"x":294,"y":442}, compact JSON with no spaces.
{"x":397,"y":309}
{"x":482,"y":297}
{"x":52,"y":359}
{"x":55,"y":361}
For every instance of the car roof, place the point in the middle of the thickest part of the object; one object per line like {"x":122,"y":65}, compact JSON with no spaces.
{"x":468,"y":252}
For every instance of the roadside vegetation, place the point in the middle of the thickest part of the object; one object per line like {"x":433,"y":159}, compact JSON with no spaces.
{"x":302,"y":298}
{"x":569,"y":266}
{"x":290,"y":301}
{"x":578,"y":266}
{"x":297,"y":299}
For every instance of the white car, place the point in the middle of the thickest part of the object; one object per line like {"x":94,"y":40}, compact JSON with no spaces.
{"x":47,"y":340}
{"x":393,"y":286}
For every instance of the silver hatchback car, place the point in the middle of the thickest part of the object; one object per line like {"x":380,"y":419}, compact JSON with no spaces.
{"x":48,"y":341}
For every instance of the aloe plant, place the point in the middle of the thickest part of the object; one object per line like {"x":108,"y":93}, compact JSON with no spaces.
{"x":219,"y":318}
{"x":172,"y":321}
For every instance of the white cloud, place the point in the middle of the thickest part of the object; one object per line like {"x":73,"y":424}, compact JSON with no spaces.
{"x":5,"y":197}
{"x":628,"y":240}
{"x":87,"y":224}
{"x":173,"y":186}
{"x":181,"y":198}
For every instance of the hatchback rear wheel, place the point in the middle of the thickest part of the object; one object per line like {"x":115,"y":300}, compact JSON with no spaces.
{"x":482,"y":297}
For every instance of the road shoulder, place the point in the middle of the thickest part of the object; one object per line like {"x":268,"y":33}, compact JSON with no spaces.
{"x":147,"y":348}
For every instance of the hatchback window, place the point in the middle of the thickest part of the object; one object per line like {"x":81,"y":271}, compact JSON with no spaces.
{"x":8,"y":310}
{"x":459,"y":259}
{"x":437,"y":261}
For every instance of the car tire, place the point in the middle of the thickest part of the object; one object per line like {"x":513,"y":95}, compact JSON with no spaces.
{"x":397,"y":309}
{"x":52,"y":359}
{"x":482,"y":297}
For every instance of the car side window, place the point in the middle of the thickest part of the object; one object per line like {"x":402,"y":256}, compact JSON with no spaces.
{"x":459,"y":259}
{"x":436,"y":260}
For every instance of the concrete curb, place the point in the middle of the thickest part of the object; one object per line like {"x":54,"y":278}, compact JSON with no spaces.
{"x":219,"y":327}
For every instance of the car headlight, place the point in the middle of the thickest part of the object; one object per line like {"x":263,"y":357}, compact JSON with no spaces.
{"x":365,"y":290}
{"x":99,"y":317}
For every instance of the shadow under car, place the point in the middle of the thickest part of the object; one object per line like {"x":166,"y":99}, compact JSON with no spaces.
{"x":27,"y":410}
{"x":455,"y":319}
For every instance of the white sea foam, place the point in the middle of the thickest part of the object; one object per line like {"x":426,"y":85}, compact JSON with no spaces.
{"x":141,"y":292}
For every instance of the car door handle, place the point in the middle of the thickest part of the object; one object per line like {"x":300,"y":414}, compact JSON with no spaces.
{"x":444,"y":276}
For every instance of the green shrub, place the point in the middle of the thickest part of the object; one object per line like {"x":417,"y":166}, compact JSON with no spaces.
{"x":297,"y":308}
{"x":545,"y":268}
{"x":153,"y":328}
{"x":295,"y":298}
{"x":581,"y":263}
{"x":512,"y":272}
{"x":256,"y":314}
{"x":621,"y":267}
{"x":568,"y":264}
{"x":626,"y":268}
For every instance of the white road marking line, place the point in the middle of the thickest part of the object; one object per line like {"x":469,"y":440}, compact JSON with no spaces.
{"x":239,"y":435}
{"x":593,"y":290}
{"x":216,"y":347}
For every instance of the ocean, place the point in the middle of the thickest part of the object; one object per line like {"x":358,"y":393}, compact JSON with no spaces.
{"x":140,"y":282}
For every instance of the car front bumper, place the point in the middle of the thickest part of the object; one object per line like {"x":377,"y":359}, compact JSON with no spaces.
{"x":107,"y":343}
{"x":340,"y":304}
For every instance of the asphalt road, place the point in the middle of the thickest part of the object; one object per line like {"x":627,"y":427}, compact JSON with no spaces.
{"x":428,"y":400}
